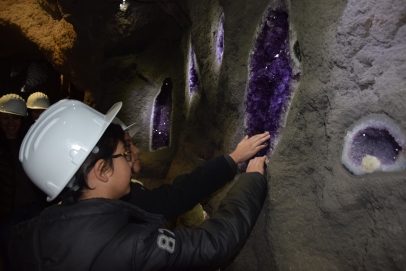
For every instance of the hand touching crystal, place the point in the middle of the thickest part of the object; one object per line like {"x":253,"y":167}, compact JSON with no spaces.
{"x":248,"y":147}
{"x":256,"y":165}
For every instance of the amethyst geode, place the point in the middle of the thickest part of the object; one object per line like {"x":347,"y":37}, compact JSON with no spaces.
{"x":377,"y":142}
{"x":269,"y":77}
{"x":161,"y":119}
{"x":220,"y":39}
{"x":193,"y":75}
{"x":374,"y":143}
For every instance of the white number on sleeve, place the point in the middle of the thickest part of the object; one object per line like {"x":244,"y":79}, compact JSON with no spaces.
{"x":166,"y":242}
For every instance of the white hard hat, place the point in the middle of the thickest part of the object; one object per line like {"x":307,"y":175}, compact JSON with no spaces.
{"x":131,"y":129}
{"x":58,"y":143}
{"x":13,"y":104}
{"x":38,"y":100}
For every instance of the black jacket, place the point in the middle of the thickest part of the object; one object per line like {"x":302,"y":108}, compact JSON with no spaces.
{"x":172,"y":200}
{"x":10,"y":170}
{"x":101,"y":234}
{"x":7,"y":186}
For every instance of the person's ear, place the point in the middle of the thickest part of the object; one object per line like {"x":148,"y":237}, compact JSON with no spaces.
{"x":99,"y":172}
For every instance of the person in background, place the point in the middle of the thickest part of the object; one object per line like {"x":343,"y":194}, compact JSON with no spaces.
{"x":129,"y":132}
{"x":188,"y":190}
{"x":97,"y":231}
{"x":37,"y":103}
{"x":19,"y":198}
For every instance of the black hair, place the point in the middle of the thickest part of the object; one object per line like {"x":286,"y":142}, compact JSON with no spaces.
{"x":106,"y":146}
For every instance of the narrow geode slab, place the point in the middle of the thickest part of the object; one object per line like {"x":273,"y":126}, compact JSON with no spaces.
{"x":161,"y":119}
{"x":193,"y":73}
{"x":220,"y":39}
{"x":270,"y":74}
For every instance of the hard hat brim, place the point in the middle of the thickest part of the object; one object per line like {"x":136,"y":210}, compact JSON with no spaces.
{"x":12,"y":113}
{"x":133,"y":129}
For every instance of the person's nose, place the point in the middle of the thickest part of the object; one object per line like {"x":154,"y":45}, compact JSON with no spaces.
{"x":10,"y":121}
{"x":135,"y":150}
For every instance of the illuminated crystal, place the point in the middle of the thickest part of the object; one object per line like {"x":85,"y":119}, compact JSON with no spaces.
{"x":162,"y":112}
{"x":374,"y":143}
{"x":270,"y":75}
{"x":220,"y":39}
{"x":193,"y":75}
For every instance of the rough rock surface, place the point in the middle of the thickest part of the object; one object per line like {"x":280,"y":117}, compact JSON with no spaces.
{"x":353,"y":63}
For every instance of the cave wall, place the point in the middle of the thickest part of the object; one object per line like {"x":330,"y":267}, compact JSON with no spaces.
{"x":319,"y":215}
{"x":353,"y":66}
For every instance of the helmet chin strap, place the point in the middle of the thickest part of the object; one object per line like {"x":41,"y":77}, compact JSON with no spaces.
{"x":71,"y":185}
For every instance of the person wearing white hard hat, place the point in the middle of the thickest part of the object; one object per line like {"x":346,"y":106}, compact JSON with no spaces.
{"x":37,"y":103}
{"x":19,"y":198}
{"x":12,"y":109}
{"x":130,"y":131}
{"x":75,"y":150}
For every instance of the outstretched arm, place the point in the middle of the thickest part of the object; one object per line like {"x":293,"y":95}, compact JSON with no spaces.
{"x":189,"y":189}
{"x":186,"y":190}
{"x":206,"y":247}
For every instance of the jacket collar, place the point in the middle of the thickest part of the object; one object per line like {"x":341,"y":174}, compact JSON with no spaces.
{"x":99,"y":206}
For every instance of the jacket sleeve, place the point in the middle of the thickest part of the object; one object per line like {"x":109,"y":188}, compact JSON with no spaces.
{"x":186,"y":191}
{"x":214,"y":242}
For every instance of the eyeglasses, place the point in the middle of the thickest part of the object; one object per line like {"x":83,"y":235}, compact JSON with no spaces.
{"x":127,"y":156}
{"x":128,"y":147}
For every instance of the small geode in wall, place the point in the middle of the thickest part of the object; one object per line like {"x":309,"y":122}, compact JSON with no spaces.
{"x":374,"y":143}
{"x":220,"y":39}
{"x":270,"y":75}
{"x":161,"y":118}
{"x":193,"y":73}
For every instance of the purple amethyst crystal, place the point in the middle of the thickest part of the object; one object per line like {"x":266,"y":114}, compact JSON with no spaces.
{"x":270,"y":75}
{"x":376,"y":142}
{"x":220,"y":39}
{"x":193,"y":76}
{"x":161,"y":126}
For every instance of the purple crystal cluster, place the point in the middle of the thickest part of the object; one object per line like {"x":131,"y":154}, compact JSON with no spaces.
{"x":161,"y":119}
{"x":270,"y":74}
{"x":376,"y":142}
{"x":193,"y":76}
{"x":220,"y":39}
